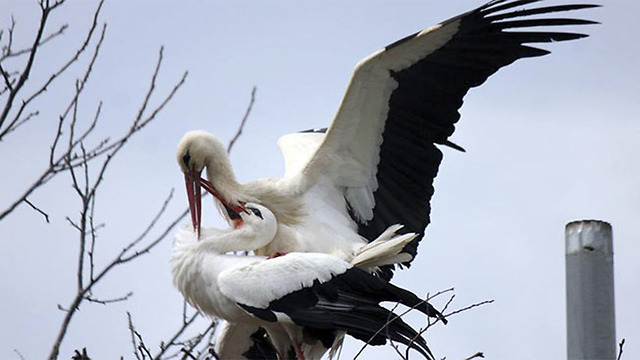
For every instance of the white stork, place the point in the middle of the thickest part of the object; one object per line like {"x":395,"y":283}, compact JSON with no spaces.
{"x":299,"y":298}
{"x":376,"y":164}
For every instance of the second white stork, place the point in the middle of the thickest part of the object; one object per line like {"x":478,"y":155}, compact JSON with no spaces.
{"x":376,"y":164}
{"x":307,"y":297}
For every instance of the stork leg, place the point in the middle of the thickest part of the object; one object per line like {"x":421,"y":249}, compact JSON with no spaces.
{"x":299,"y":354}
{"x":291,"y":331}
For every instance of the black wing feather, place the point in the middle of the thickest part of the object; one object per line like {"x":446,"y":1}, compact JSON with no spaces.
{"x":350,"y":302}
{"x":423,"y":109}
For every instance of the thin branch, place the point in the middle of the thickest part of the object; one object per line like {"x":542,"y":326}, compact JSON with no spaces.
{"x":49,"y":37}
{"x":86,"y":196}
{"x":73,"y":223}
{"x":7,"y":49}
{"x":46,"y":216}
{"x":385,"y":326}
{"x":485,"y":302}
{"x":23,"y":121}
{"x":187,"y":354}
{"x":479,"y":354}
{"x":244,"y":120}
{"x":184,"y":312}
{"x":27,"y":69}
{"x":66,"y":66}
{"x":165,"y":346}
{"x":620,"y":345}
{"x":395,"y":347}
{"x":80,"y":355}
{"x":139,"y":125}
{"x":145,"y":233}
{"x":109,"y":301}
{"x":197,"y":340}
{"x":19,"y":354}
{"x":93,"y":230}
{"x":132,"y":330}
{"x":7,"y":81}
{"x":65,"y":159}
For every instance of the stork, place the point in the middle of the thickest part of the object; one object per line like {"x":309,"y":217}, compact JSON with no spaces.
{"x":295,"y":297}
{"x":250,"y":341}
{"x":376,"y":164}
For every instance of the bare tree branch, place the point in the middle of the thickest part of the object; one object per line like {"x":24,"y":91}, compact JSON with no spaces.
{"x":244,"y":120}
{"x":49,"y":37}
{"x":46,"y":11}
{"x":479,"y":354}
{"x":405,"y":356}
{"x":109,"y":301}
{"x":164,"y":347}
{"x":140,"y":349}
{"x":43,"y":88}
{"x":87,"y":188}
{"x":485,"y":302}
{"x":132,"y":330}
{"x":46,"y":216}
{"x":620,"y":345}
{"x":19,"y":354}
{"x":61,"y":163}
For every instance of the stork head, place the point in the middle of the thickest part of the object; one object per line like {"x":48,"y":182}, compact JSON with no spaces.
{"x":258,"y":224}
{"x":199,"y":150}
{"x":258,"y":228}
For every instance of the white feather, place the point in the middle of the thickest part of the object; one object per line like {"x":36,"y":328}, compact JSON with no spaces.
{"x":297,"y":149}
{"x":385,"y":250}
{"x":259,"y":283}
{"x":234,"y":339}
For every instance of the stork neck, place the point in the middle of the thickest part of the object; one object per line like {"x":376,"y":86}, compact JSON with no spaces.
{"x":241,"y":239}
{"x":220,"y":174}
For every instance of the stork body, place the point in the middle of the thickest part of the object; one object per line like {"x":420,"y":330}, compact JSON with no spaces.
{"x":300,"y":298}
{"x":376,"y":164}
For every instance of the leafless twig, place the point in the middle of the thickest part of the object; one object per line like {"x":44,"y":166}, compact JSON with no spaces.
{"x":14,"y":90}
{"x":19,"y":354}
{"x":139,"y":348}
{"x":485,"y":302}
{"x":109,"y":301}
{"x":86,"y":188}
{"x":620,"y":345}
{"x":165,"y":346}
{"x":57,"y":164}
{"x":244,"y":120}
{"x":429,"y":322}
{"x":77,"y":355}
{"x":46,"y":216}
{"x":479,"y":354}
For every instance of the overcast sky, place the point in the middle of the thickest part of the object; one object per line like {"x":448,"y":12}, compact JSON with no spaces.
{"x":549,"y":140}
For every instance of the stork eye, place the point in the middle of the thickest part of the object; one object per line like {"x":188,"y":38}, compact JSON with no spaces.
{"x":256,"y":212}
{"x":186,"y":158}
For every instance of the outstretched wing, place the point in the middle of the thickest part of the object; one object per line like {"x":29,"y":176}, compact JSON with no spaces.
{"x":403,"y":100}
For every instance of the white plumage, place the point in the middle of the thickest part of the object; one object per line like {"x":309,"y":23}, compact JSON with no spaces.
{"x":254,"y":291}
{"x":375,"y":166}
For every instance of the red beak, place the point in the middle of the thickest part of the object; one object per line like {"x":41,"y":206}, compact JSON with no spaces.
{"x":234,"y":208}
{"x":192,"y":182}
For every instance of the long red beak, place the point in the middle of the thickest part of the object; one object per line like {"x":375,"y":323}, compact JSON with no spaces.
{"x":209,"y":187}
{"x":192,"y":182}
{"x":232,"y":210}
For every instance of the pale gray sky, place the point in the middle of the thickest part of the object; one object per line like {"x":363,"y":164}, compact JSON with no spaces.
{"x":549,"y":140}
